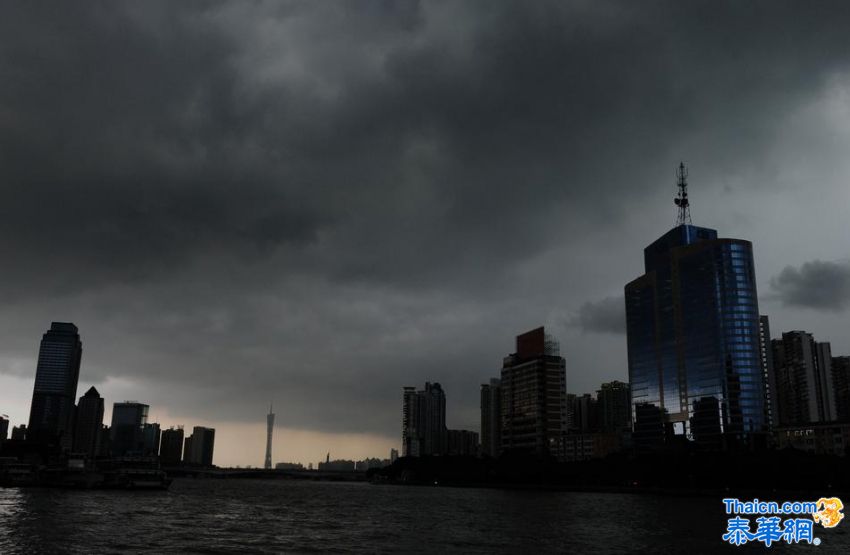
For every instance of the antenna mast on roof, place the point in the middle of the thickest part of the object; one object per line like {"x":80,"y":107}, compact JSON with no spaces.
{"x":684,"y":215}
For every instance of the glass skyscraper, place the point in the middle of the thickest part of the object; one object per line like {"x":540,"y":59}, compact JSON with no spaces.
{"x":56,"y":376}
{"x":693,"y":340}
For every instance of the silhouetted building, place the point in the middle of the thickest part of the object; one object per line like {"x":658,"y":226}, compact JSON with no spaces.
{"x":150,"y":439}
{"x":614,"y":406}
{"x":269,"y":433}
{"x":55,"y":389}
{"x":583,"y":446}
{"x":89,"y":423}
{"x":393,"y":455}
{"x":649,"y":427}
{"x":199,"y":447}
{"x":4,"y":428}
{"x":127,"y":430}
{"x":288,"y":466}
{"x":804,"y":388}
{"x":705,"y":423}
{"x":582,"y":413}
{"x":462,"y":442}
{"x":171,"y":446}
{"x":692,"y":326}
{"x":841,"y":383}
{"x":534,"y":391}
{"x":829,"y":438}
{"x":424,"y":421}
{"x":19,"y":433}
{"x":491,"y":418}
{"x":104,"y":446}
{"x":768,"y":372}
{"x":337,"y":466}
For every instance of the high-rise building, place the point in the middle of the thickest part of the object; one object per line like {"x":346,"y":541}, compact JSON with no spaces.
{"x":4,"y":427}
{"x":269,"y":432}
{"x":804,"y":379}
{"x":55,"y":389}
{"x":127,"y":430}
{"x":841,"y":382}
{"x":89,"y":423}
{"x":767,"y":371}
{"x":393,"y":455}
{"x":199,"y":446}
{"x":692,"y":326}
{"x":424,"y":421}
{"x":491,"y":418}
{"x":171,"y":446}
{"x":462,"y":442}
{"x":582,"y":413}
{"x":151,"y":435}
{"x":534,"y":392}
{"x":19,"y":433}
{"x":615,"y":406}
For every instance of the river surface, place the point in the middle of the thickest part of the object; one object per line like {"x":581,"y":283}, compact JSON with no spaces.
{"x":289,"y":516}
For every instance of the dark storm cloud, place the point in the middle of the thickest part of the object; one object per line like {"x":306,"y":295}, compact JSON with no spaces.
{"x":820,"y":285}
{"x":332,"y":200}
{"x":605,"y":316}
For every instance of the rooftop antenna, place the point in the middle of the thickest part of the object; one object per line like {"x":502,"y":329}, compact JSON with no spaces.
{"x":681,"y":200}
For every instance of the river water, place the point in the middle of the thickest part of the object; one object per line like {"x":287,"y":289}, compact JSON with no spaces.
{"x":293,"y":516}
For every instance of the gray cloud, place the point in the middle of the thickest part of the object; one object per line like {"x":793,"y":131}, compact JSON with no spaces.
{"x":605,"y":316}
{"x":820,"y":285}
{"x":324,"y":202}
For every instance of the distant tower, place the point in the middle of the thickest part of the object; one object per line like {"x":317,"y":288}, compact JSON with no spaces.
{"x":684,"y":216}
{"x":269,"y":430}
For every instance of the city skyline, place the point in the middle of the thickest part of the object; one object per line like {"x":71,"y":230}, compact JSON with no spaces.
{"x":326,"y":222}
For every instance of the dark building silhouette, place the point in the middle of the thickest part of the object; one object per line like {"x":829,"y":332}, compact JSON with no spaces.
{"x":582,"y":413}
{"x":127,"y":430}
{"x":150,"y":439}
{"x":19,"y":433}
{"x":692,"y":326}
{"x":269,"y":433}
{"x":615,"y":406}
{"x":841,"y":383}
{"x":649,"y":427}
{"x":171,"y":446}
{"x":491,"y":418}
{"x":55,"y":389}
{"x":706,"y":418}
{"x":768,"y":372}
{"x":462,"y":442}
{"x":198,"y":450}
{"x":534,"y":391}
{"x":424,"y":421}
{"x":4,"y":428}
{"x":89,"y":424}
{"x":804,"y":380}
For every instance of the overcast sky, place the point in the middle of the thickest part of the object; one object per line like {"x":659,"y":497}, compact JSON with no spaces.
{"x":318,"y":203}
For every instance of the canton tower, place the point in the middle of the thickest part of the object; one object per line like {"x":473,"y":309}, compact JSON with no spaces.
{"x":269,"y":431}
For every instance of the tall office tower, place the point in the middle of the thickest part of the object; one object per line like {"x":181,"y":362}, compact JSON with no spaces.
{"x":692,"y":325}
{"x":491,"y":418}
{"x":841,"y":382}
{"x":424,"y":421}
{"x":171,"y":446}
{"x":462,"y":443}
{"x":584,"y":413}
{"x":269,"y":431}
{"x":804,"y":388}
{"x":52,"y":410}
{"x":534,"y":395}
{"x":127,"y":430}
{"x":151,"y":435}
{"x":199,"y":446}
{"x":4,"y":428}
{"x":89,"y":423}
{"x":767,"y":372}
{"x":393,"y":455}
{"x":615,"y":406}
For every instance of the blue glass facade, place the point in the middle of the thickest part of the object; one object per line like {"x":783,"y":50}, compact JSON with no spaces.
{"x":693,"y":337}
